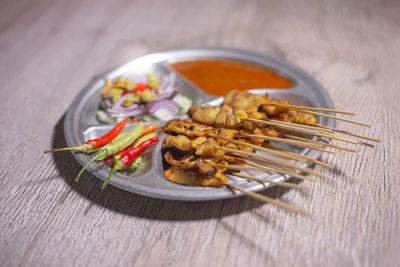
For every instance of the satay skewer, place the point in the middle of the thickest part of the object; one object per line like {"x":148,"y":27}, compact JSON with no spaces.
{"x":312,"y":160}
{"x":272,"y":160}
{"x":255,"y":166}
{"x":349,"y":133}
{"x":317,"y":142}
{"x":311,"y":108}
{"x":336,"y":118}
{"x":269,"y":200}
{"x":280,"y":153}
{"x":298,"y":143}
{"x":324,"y":128}
{"x":266,"y":180}
{"x":329,"y":116}
{"x":282,"y":125}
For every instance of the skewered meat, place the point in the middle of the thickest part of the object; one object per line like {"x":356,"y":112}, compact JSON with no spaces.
{"x":204,"y":166}
{"x":235,"y":116}
{"x":246,"y":101}
{"x":187,"y":127}
{"x":193,"y":178}
{"x":224,"y":116}
{"x":183,"y":142}
{"x":201,"y":146}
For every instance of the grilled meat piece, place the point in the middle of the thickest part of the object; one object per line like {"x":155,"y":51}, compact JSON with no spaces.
{"x":187,"y":127}
{"x":246,"y":101}
{"x":193,"y":178}
{"x":224,"y":116}
{"x":183,"y":142}
{"x":192,"y":162}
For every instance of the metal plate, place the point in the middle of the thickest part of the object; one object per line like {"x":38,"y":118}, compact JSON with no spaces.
{"x":81,"y":124}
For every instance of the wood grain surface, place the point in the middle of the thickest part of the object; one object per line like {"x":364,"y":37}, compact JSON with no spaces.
{"x":49,"y":50}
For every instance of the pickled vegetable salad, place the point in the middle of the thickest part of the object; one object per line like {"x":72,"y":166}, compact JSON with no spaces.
{"x":142,"y":97}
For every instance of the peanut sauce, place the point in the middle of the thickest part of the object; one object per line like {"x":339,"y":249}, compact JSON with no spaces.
{"x":218,"y":77}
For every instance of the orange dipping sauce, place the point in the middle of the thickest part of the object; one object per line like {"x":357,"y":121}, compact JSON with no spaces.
{"x":218,"y":77}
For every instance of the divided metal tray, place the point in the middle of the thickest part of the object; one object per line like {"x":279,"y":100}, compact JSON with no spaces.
{"x":81,"y":124}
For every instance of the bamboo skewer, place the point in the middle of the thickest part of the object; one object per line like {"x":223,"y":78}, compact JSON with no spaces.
{"x":255,"y":166}
{"x":325,"y":115}
{"x":285,"y":154}
{"x":317,"y":142}
{"x":273,"y":160}
{"x":303,"y":126}
{"x":349,"y":133}
{"x":324,"y":128}
{"x":269,"y":200}
{"x":306,"y":131}
{"x":279,"y":170}
{"x":312,"y":108}
{"x":266,"y":180}
{"x":314,"y":130}
{"x":327,"y":129}
{"x":298,"y":143}
{"x":312,"y":160}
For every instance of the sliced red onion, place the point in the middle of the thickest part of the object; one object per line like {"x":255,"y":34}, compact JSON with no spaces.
{"x":128,"y":112}
{"x":168,"y":93}
{"x":168,"y":86}
{"x":117,"y":110}
{"x":164,"y":109}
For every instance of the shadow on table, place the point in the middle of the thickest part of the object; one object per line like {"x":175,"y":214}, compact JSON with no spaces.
{"x":132,"y":204}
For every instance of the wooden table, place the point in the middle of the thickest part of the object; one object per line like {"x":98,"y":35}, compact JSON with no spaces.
{"x":49,"y":50}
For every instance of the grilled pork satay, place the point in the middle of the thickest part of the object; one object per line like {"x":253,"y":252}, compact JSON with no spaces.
{"x":193,"y":129}
{"x":288,"y":115}
{"x":188,"y":127}
{"x":183,"y":142}
{"x":251,"y":102}
{"x":224,"y":116}
{"x":233,"y":117}
{"x":194,"y":178}
{"x":245,"y":101}
{"x":205,"y":165}
{"x":201,"y":146}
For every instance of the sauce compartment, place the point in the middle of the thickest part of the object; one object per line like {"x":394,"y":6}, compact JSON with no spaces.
{"x":218,"y":76}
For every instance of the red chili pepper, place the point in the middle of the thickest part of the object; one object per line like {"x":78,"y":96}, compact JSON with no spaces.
{"x":120,"y":153}
{"x":133,"y":120}
{"x":98,"y":142}
{"x":124,"y":161}
{"x":125,"y":91}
